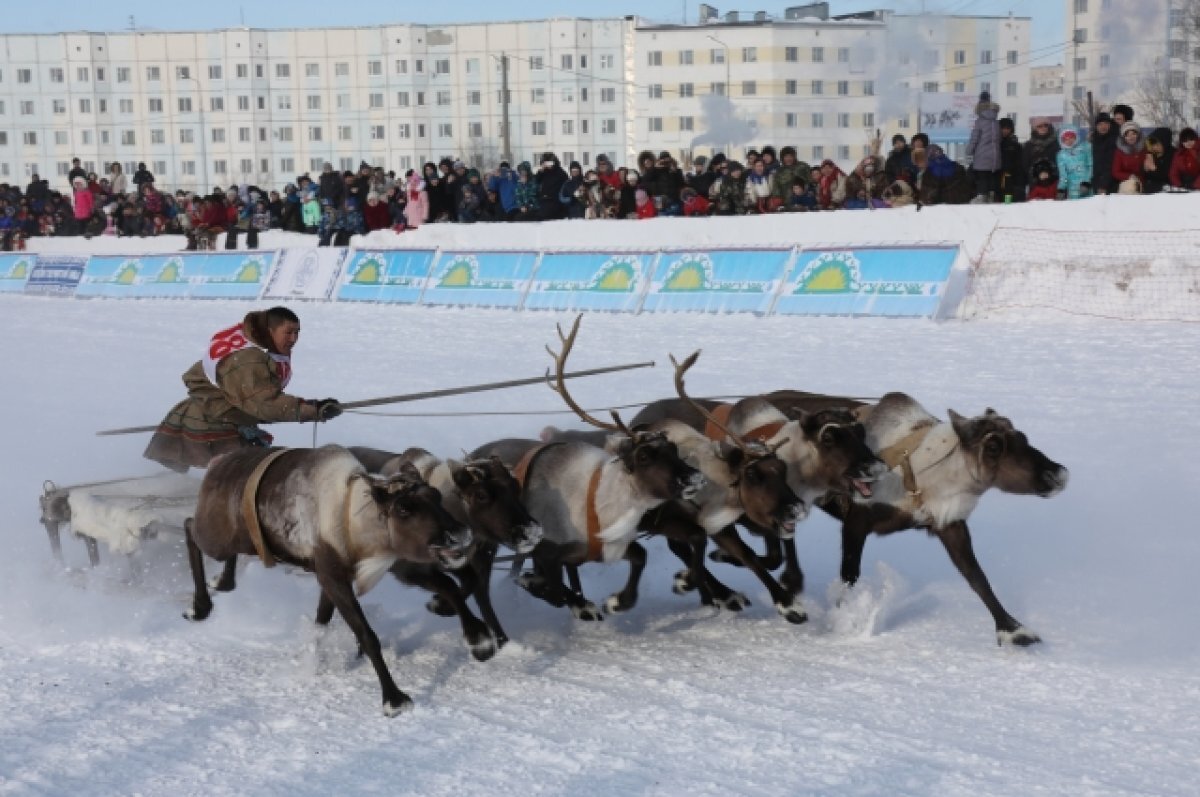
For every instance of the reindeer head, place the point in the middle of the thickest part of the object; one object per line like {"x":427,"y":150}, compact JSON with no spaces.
{"x":844,"y":463}
{"x":1000,"y":456}
{"x":649,"y":457}
{"x":760,"y":477}
{"x":493,"y":500}
{"x":420,"y":528}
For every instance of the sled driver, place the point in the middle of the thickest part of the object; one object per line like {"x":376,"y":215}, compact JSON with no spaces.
{"x":236,"y":385}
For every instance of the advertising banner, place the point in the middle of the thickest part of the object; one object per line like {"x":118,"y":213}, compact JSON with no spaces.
{"x":726,"y":281}
{"x":14,"y":270}
{"x":306,"y":273}
{"x":395,"y":276}
{"x":232,"y":275}
{"x":947,"y":118}
{"x":55,"y":275}
{"x":480,"y":279}
{"x":590,"y":281}
{"x":874,"y":282}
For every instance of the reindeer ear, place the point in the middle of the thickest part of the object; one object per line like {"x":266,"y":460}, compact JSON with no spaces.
{"x":963,"y":427}
{"x":409,"y":472}
{"x":731,"y":454}
{"x":462,"y":476}
{"x":618,"y":444}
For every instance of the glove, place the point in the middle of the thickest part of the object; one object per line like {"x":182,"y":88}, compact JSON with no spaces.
{"x":328,"y":409}
{"x":255,"y":436}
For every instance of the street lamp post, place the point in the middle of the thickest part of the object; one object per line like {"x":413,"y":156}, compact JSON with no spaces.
{"x":728,"y":94}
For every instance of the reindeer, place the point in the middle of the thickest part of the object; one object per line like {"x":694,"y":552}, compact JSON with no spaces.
{"x":484,"y":495}
{"x":320,"y":510}
{"x":938,"y":472}
{"x":590,"y":500}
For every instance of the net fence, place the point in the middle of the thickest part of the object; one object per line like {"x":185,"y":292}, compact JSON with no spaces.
{"x":1121,"y":275}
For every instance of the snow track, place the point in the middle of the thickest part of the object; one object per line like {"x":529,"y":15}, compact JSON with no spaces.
{"x":895,"y":688}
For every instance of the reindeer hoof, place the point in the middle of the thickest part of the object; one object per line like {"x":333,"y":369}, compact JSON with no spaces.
{"x":793,"y":614}
{"x":614,"y":604}
{"x":720,"y":556}
{"x":734,"y":602}
{"x":1020,"y":636}
{"x":397,"y":705}
{"x":587,"y":611}
{"x":483,"y":647}
{"x":198,"y":612}
{"x":440,"y":607}
{"x":216,"y":584}
{"x":683,"y":583}
{"x":791,"y":586}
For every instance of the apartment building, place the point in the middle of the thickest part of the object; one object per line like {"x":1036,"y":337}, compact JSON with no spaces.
{"x":204,"y":109}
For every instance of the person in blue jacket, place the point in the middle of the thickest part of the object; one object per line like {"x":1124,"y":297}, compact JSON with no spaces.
{"x":503,"y":182}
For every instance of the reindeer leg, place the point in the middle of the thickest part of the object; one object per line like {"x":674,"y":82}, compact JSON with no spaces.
{"x":485,"y":556}
{"x":772,"y":556}
{"x":341,"y":594}
{"x":956,"y":537}
{"x":201,"y":602}
{"x":698,"y":577}
{"x":793,"y":577}
{"x":467,"y":582}
{"x":856,"y":525}
{"x":784,"y":601}
{"x":227,"y":581}
{"x":325,"y":610}
{"x":626,"y":599}
{"x":475,"y":631}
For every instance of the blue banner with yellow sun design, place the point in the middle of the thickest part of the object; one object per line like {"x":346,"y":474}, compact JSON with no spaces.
{"x":14,"y":270}
{"x":480,"y":279}
{"x":215,"y":275}
{"x":892,"y":281}
{"x":395,"y":276}
{"x":590,"y":281}
{"x":718,"y":281}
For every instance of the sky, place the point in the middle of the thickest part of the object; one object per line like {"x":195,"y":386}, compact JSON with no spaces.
{"x":154,"y":14}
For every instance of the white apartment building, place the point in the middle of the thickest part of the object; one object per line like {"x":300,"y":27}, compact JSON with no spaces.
{"x":206,"y":109}
{"x":822,"y":84}
{"x":1137,"y":52}
{"x":214,"y":108}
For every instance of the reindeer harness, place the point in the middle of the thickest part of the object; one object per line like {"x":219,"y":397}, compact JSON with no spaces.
{"x":595,"y":546}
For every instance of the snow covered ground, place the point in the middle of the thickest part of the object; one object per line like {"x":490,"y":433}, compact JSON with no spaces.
{"x":899,"y":690}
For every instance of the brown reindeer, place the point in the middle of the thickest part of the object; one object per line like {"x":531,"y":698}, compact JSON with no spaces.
{"x":590,"y":500}
{"x":320,"y":510}
{"x":483,"y":494}
{"x":939,"y":470}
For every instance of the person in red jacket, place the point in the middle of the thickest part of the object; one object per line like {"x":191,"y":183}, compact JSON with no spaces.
{"x":1185,"y":166}
{"x":1130,"y":158}
{"x":645,"y":205}
{"x":605,"y":172}
{"x":376,"y":214}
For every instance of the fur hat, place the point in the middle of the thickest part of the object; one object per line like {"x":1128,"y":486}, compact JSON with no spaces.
{"x":1124,"y":110}
{"x":1103,"y":116}
{"x":1187,"y":134}
{"x":1007,"y":124}
{"x":783,"y":153}
{"x":985,"y":96}
{"x":899,"y":139}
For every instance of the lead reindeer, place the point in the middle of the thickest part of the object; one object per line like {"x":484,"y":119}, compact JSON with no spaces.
{"x":938,"y":471}
{"x":320,"y":510}
{"x":590,"y":500}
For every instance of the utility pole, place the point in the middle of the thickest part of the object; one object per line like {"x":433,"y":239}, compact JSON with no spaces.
{"x":506,"y":129}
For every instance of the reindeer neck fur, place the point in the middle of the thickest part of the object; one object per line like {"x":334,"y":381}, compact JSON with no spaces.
{"x":949,"y":486}
{"x":718,"y":504}
{"x":620,"y":504}
{"x":349,"y":521}
{"x":436,"y":473}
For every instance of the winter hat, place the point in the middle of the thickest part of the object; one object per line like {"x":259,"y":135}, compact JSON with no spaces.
{"x":602,"y":158}
{"x":1187,"y":134}
{"x":1103,"y":116}
{"x":769,"y":150}
{"x":899,"y":139}
{"x":717,"y":160}
{"x":734,"y":166}
{"x":699,"y":161}
{"x":575,"y":165}
{"x":664,"y":156}
{"x":1006,"y":124}
{"x":1124,"y":110}
{"x":783,"y":153}
{"x":459,"y":165}
{"x":1125,"y":128}
{"x":985,"y":96}
{"x":472,"y":173}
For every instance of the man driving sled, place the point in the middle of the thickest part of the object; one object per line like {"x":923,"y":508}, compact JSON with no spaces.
{"x":235,"y":386}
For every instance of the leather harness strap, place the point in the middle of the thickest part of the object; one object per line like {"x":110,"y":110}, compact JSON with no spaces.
{"x":250,"y":508}
{"x":765,"y":432}
{"x":595,"y":546}
{"x":521,"y":471}
{"x":721,"y":413}
{"x":900,"y":453}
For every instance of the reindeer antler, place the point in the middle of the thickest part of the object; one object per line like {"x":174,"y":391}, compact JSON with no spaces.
{"x":680,"y":370}
{"x":558,"y":385}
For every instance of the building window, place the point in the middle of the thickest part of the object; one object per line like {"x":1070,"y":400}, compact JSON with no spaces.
{"x":283,"y":102}
{"x":26,"y":107}
{"x":656,"y":125}
{"x":818,"y":152}
{"x":568,"y":127}
{"x":818,"y":87}
{"x":259,"y":71}
{"x":1013,"y":57}
{"x":844,"y":56}
{"x":85,"y":106}
{"x":56,"y":75}
{"x":868,"y":88}
{"x":246,"y":165}
{"x":188,"y":168}
{"x":244,"y":135}
{"x":790,"y":87}
{"x":843,"y":120}
{"x":537,"y":96}
{"x":539,"y":127}
{"x":24,"y":75}
{"x":374,"y":68}
{"x":442,"y":98}
{"x":749,"y":55}
{"x":869,"y":119}
{"x":312,"y":70}
{"x":818,"y":55}
{"x":420,"y":99}
{"x":844,"y":152}
{"x":843,"y":87}
{"x":217,"y":103}
{"x":283,"y":71}
{"x":285,"y":134}
{"x":1011,"y":88}
{"x":344,"y":133}
{"x":214,"y":73}
{"x":243,"y":103}
{"x":791,"y":120}
{"x":242,"y":71}
{"x":654,"y":58}
{"x":687,"y":124}
{"x":402,"y":99}
{"x":313,"y":102}
{"x":985,"y":57}
{"x":717,"y":89}
{"x":818,"y":120}
{"x":404,"y":130}
{"x":606,"y":62}
{"x":568,"y":94}
{"x":471,"y":66}
{"x":122,"y":75}
{"x":716,"y":56}
{"x":930,"y":87}
{"x":30,"y":138}
{"x":985,"y":85}
{"x":654,"y":90}
{"x":377,"y":133}
{"x":1080,"y":36}
{"x":218,"y":135}
{"x":81,"y":74}
{"x":687,"y":90}
{"x":474,"y":98}
{"x":262,"y":103}
{"x":536,"y":64}
{"x":58,"y":106}
{"x":341,"y":69}
{"x":608,"y":95}
{"x":183,"y":73}
{"x":343,"y":102}
{"x":314,"y":133}
{"x":60,"y":138}
{"x":1104,"y":61}
{"x":475,"y":130}
{"x":220,"y":167}
{"x":128,"y":139}
{"x":791,"y":53}
{"x":1178,"y":49}
{"x":1081,"y":6}
{"x":960,"y":86}
{"x":686,"y":58}
{"x":608,"y":126}
{"x":960,"y":57}
{"x":401,"y":66}
{"x":153,"y":73}
{"x":749,"y":88}
{"x":125,"y":106}
{"x":187,"y":136}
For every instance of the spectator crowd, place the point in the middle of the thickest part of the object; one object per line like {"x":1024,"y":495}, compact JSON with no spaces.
{"x":1115,"y":157}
